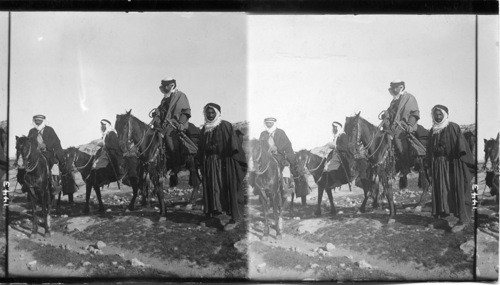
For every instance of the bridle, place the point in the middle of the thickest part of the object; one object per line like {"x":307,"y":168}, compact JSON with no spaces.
{"x":28,"y":169}
{"x":129,"y":138}
{"x":366,"y":148}
{"x":308,"y":160}
{"x":75,"y":159}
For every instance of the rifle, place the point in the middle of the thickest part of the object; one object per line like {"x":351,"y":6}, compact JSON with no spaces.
{"x":415,"y":143}
{"x":191,"y":146}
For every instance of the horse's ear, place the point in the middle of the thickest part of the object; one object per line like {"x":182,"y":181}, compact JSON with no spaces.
{"x":485,"y":140}
{"x":357,"y":115}
{"x":17,"y":138}
{"x":129,"y":111}
{"x":498,"y":134}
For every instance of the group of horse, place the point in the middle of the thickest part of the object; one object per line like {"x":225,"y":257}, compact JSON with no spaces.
{"x":373,"y":166}
{"x":144,"y":168}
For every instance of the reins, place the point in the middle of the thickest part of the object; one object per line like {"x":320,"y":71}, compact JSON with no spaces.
{"x":358,"y":139}
{"x":129,"y":137}
{"x":76,"y":158}
{"x":309,"y":160}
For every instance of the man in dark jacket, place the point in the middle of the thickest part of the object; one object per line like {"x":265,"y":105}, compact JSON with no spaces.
{"x":401,"y":117}
{"x":48,"y":141}
{"x":171,"y":116}
{"x":281,"y":147}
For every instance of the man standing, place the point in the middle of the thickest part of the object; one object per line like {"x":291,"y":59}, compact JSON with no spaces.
{"x":403,"y":112}
{"x":223,"y":167}
{"x":281,"y":147}
{"x":172,"y":116}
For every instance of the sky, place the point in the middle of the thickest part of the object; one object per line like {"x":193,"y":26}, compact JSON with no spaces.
{"x":305,"y":70}
{"x":311,"y":70}
{"x":79,"y":68}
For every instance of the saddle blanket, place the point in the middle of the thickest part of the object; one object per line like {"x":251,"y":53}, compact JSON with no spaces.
{"x":322,"y":151}
{"x":334,"y":162}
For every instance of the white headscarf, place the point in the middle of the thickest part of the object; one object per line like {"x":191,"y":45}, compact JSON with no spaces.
{"x":39,"y":127}
{"x":210,"y":125}
{"x":108,"y":129}
{"x":438,"y":127}
{"x":271,"y":129}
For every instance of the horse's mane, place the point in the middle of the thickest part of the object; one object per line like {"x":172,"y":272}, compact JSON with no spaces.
{"x":121,"y":120}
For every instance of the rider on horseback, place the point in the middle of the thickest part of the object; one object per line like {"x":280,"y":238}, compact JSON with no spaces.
{"x":403,"y":111}
{"x":49,"y":145}
{"x":337,"y":157}
{"x":170,"y":118}
{"x":281,"y":148}
{"x":110,"y":151}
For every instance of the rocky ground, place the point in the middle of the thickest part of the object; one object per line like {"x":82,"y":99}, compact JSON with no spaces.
{"x":351,"y":246}
{"x":359,"y":247}
{"x":119,"y":243}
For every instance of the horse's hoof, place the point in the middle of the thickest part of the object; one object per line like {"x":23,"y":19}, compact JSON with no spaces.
{"x":130,"y":208}
{"x":317,"y":212}
{"x":86,"y":211}
{"x":333,"y":213}
{"x":102,"y":209}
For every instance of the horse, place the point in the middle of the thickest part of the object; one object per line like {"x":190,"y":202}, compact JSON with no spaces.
{"x":36,"y":181}
{"x":83,"y":162}
{"x":315,"y":165}
{"x":147,"y":142}
{"x":267,"y":182}
{"x":381,"y":162}
{"x":492,"y":174}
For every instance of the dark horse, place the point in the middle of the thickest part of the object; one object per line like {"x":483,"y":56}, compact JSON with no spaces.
{"x":491,"y":154}
{"x":147,"y":142}
{"x":93,"y":178}
{"x":267,"y":182}
{"x":315,"y":165}
{"x":36,"y":181}
{"x":381,"y":162}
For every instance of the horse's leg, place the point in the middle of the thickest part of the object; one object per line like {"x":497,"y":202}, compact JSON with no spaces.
{"x":34,"y":228}
{"x":375,"y":194}
{"x":46,"y":206}
{"x":291,"y":203}
{"x":390,"y":200}
{"x":304,"y":200}
{"x":88,"y":190}
{"x":320,"y":198}
{"x":277,"y":214}
{"x":97,"y":190}
{"x":58,"y":206}
{"x":70,"y":198}
{"x":135,"y":189}
{"x":159,"y":194}
{"x":333,"y":211}
{"x":265,"y":205}
{"x":366,"y":190}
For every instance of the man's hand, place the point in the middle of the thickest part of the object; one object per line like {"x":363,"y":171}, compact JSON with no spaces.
{"x":409,"y":128}
{"x":180,"y":127}
{"x":42,"y":146}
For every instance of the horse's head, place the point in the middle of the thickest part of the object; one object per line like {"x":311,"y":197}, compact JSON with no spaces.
{"x":69,"y":156}
{"x":302,"y":157}
{"x":27,"y":148}
{"x":491,"y":151}
{"x":254,"y":148}
{"x":351,"y":128}
{"x":123,"y":127}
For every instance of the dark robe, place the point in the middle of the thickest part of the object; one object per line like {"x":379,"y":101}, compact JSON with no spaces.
{"x":284,"y":147}
{"x":112,"y":151}
{"x":223,"y":169}
{"x":451,"y":163}
{"x":52,"y":144}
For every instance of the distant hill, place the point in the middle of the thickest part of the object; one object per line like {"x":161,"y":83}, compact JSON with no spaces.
{"x":90,"y":147}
